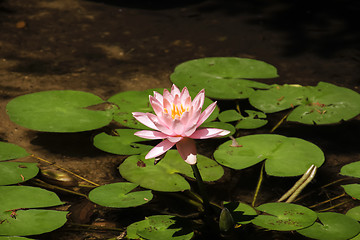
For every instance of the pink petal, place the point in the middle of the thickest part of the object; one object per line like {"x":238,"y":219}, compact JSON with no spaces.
{"x":148,"y":134}
{"x":167,"y":105}
{"x":204,"y":133}
{"x":157,"y":106}
{"x":144,"y":119}
{"x":175,"y":90}
{"x":185,"y":96}
{"x":160,"y":125}
{"x":160,"y":149}
{"x":177,"y":127}
{"x":168,"y":96}
{"x":198,"y":101}
{"x":187,"y":150}
{"x":158,"y":96}
{"x":206,"y":113}
{"x":174,"y":139}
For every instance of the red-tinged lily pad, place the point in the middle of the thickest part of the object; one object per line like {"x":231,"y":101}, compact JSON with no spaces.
{"x":223,"y":77}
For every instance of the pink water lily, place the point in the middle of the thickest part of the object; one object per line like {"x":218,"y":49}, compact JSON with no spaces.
{"x":177,"y":120}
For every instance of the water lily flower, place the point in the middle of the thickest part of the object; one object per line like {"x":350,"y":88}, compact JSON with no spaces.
{"x":176,"y":121}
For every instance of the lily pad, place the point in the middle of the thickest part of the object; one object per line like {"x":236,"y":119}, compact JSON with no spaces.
{"x":10,"y":151}
{"x":284,"y":216}
{"x":354,"y":213}
{"x":254,"y":119}
{"x":138,"y":101}
{"x":324,"y":104}
{"x":165,"y":176}
{"x":332,"y":226}
{"x":159,"y":227}
{"x":125,"y":143}
{"x":19,"y":220}
{"x":15,"y":238}
{"x":284,"y":156}
{"x":119,"y":195}
{"x":16,"y":172}
{"x":223,"y":77}
{"x":351,"y":169}
{"x":353,"y":190}
{"x":241,"y":212}
{"x":58,"y":111}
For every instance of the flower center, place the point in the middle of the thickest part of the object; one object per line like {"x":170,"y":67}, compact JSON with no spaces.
{"x":176,"y":111}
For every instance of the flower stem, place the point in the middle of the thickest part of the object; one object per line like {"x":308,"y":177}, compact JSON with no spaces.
{"x":202,"y":189}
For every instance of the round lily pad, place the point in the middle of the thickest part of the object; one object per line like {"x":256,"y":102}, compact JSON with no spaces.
{"x":165,"y":176}
{"x":324,"y":104}
{"x":119,"y":195}
{"x":254,"y":119}
{"x":16,"y":172}
{"x":138,"y":101}
{"x":353,"y":190}
{"x":332,"y":226}
{"x":284,"y":216}
{"x":351,"y":169}
{"x":125,"y":143}
{"x":354,"y":213}
{"x":284,"y":156}
{"x":223,"y":77}
{"x":241,"y":212}
{"x":11,"y":151}
{"x":17,"y":217}
{"x":59,"y":111}
{"x":160,"y":227}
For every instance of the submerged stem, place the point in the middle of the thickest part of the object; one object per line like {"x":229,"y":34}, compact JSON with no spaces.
{"x":258,"y":185}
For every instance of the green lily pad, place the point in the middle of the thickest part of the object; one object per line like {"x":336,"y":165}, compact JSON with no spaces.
{"x":58,"y":111}
{"x":223,"y":77}
{"x":351,"y":169}
{"x":284,"y":156}
{"x":19,"y":220}
{"x":323,"y":104}
{"x":10,"y":151}
{"x":125,"y":143}
{"x":284,"y":216}
{"x":119,"y":195}
{"x":354,"y":213}
{"x":15,"y":238}
{"x":353,"y":190}
{"x":16,"y":172}
{"x":241,"y":212}
{"x":160,"y":227}
{"x":333,"y":226}
{"x":138,"y":101}
{"x":254,"y":119}
{"x":220,"y":125}
{"x":165,"y":176}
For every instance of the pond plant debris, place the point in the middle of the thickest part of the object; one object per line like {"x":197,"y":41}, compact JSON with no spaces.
{"x":177,"y":118}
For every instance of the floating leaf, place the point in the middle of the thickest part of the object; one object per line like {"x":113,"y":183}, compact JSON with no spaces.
{"x":19,"y":220}
{"x":353,"y":190}
{"x":323,"y":104}
{"x":229,"y":116}
{"x":220,"y":125}
{"x":284,"y":156}
{"x":16,"y":172}
{"x":119,"y":195}
{"x":354,"y":213}
{"x":125,"y":143}
{"x":284,"y":216}
{"x":223,"y":77}
{"x":58,"y":111}
{"x":165,"y":176}
{"x":15,"y":238}
{"x":254,"y":119}
{"x":160,"y":227}
{"x":333,"y":226}
{"x":10,"y":151}
{"x":241,"y":212}
{"x":138,"y":101}
{"x":351,"y":169}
